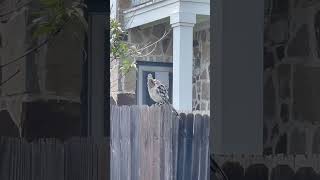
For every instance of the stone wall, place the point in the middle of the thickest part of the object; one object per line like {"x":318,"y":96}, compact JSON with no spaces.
{"x":292,"y":74}
{"x":201,"y":68}
{"x":141,"y":36}
{"x":270,"y":167}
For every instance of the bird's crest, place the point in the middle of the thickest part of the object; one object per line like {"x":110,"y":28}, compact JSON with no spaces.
{"x":151,"y":81}
{"x":150,"y":76}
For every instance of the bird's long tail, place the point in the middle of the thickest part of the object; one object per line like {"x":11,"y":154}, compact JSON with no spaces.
{"x":173,"y":109}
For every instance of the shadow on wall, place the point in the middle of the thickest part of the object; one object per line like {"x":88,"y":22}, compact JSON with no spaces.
{"x":52,"y":119}
{"x":7,"y":127}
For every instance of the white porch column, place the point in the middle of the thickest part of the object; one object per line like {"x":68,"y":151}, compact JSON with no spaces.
{"x":182,"y":24}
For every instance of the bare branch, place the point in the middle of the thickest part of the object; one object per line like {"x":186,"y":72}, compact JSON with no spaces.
{"x":35,"y":48}
{"x":149,"y":53}
{"x":16,"y":9}
{"x":164,"y":35}
{"x":26,"y":53}
{"x":9,"y":78}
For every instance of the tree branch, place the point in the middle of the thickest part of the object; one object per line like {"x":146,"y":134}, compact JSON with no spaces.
{"x":35,"y":48}
{"x":164,"y":35}
{"x":15,"y":10}
{"x":26,"y":53}
{"x":9,"y":78}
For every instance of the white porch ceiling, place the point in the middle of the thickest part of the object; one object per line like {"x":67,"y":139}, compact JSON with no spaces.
{"x":158,"y":11}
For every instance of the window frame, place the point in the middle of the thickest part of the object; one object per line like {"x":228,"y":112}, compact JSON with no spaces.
{"x":148,"y":66}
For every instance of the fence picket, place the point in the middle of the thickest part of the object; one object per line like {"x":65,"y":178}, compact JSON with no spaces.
{"x":175,"y":145}
{"x":115,"y":143}
{"x":182,"y":145}
{"x":135,"y":123}
{"x":197,"y":127}
{"x":204,"y":149}
{"x":155,"y":112}
{"x":188,"y":147}
{"x":167,"y":143}
{"x":146,"y":143}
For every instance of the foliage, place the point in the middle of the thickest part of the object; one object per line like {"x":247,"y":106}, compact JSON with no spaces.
{"x":120,"y":49}
{"x":54,"y":14}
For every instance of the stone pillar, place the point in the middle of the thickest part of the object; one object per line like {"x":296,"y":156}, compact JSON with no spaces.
{"x":182,"y":24}
{"x":237,"y":77}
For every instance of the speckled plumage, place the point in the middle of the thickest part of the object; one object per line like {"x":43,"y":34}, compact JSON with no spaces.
{"x":159,"y":92}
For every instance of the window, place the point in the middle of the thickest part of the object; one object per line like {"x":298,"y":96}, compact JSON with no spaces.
{"x":160,"y":71}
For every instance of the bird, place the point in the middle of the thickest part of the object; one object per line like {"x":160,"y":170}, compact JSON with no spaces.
{"x":159,"y":93}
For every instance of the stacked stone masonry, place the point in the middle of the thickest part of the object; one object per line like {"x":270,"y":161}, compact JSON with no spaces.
{"x":291,"y":79}
{"x":244,"y":167}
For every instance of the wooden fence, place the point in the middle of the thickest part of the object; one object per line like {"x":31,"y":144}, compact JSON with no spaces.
{"x":151,"y":143}
{"x":49,"y":159}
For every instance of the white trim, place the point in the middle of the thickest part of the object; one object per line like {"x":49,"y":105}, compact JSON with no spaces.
{"x":182,"y":24}
{"x":154,"y":11}
{"x":183,"y":17}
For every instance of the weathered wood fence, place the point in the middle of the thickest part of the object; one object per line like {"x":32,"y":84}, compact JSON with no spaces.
{"x":49,"y":159}
{"x":150,"y":143}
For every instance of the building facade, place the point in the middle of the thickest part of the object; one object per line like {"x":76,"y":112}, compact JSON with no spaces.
{"x":142,"y":31}
{"x":289,"y":57}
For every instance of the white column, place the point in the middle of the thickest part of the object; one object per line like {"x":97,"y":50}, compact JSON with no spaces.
{"x":182,"y":24}
{"x":237,"y":77}
{"x":113,"y":8}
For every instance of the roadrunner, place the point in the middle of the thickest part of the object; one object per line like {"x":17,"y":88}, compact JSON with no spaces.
{"x":159,"y":93}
